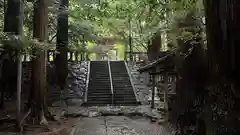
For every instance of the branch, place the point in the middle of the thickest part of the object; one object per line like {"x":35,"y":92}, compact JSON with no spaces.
{"x":136,"y":48}
{"x":142,"y":44}
{"x":52,"y":38}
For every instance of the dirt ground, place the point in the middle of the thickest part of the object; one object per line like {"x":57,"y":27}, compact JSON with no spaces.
{"x":8,"y":119}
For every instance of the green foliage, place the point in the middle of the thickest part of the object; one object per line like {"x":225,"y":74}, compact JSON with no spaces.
{"x":23,"y":44}
{"x":111,"y":17}
{"x":92,"y":20}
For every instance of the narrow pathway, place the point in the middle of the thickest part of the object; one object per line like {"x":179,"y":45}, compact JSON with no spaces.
{"x":119,"y":125}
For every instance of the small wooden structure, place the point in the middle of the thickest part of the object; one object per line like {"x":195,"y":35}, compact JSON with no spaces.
{"x":162,"y":74}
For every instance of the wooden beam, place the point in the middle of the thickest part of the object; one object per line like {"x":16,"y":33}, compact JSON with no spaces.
{"x":136,"y":52}
{"x":166,"y":92}
{"x":172,"y":93}
{"x":162,"y":72}
{"x":153,"y":91}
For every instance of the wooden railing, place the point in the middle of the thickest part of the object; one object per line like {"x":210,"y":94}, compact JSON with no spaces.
{"x":136,"y":56}
{"x":71,"y":56}
{"x":163,"y":86}
{"x":82,"y":56}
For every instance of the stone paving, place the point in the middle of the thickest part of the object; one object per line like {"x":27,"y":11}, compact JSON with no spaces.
{"x":119,"y":125}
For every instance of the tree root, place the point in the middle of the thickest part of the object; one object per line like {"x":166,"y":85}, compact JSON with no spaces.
{"x":9,"y":126}
{"x":7,"y":119}
{"x":25,"y":117}
{"x":43,"y":122}
{"x":53,"y":117}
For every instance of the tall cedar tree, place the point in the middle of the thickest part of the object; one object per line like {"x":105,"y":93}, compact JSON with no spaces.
{"x":11,"y":26}
{"x":222,"y":19}
{"x":62,"y":43}
{"x":154,"y":46}
{"x":39,"y":88}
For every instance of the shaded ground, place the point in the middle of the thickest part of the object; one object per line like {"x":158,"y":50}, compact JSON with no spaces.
{"x":120,"y":125}
{"x":66,"y":127}
{"x":118,"y":120}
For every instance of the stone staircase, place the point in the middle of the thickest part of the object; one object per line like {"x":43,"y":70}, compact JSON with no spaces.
{"x":109,"y":84}
{"x":99,"y":87}
{"x":123,"y":92}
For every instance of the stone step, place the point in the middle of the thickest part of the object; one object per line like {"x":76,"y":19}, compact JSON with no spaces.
{"x":99,"y":83}
{"x":126,"y":103}
{"x":99,"y":88}
{"x":99,"y":79}
{"x":95,"y":95}
{"x":132,"y":99}
{"x":120,"y":79}
{"x":100,"y":96}
{"x":99,"y":92}
{"x":97,"y":103}
{"x":123,"y":91}
{"x":94,"y":98}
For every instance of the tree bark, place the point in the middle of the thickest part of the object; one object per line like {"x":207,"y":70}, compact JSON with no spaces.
{"x":39,"y":86}
{"x":11,"y":26}
{"x":12,"y":20}
{"x":222,"y":19}
{"x":19,"y":67}
{"x":62,"y":43}
{"x":130,"y":40}
{"x":191,"y":68}
{"x":154,"y":46}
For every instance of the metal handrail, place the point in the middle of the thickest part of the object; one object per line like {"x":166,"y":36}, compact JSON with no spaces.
{"x":130,"y":77}
{"x":87,"y":82}
{"x":110,"y":77}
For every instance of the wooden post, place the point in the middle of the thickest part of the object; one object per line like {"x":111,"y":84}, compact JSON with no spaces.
{"x":48,"y":55}
{"x":173,"y":84}
{"x":25,"y":58}
{"x":77,"y":56}
{"x":81,"y":56}
{"x":19,"y":68}
{"x":72,"y":59}
{"x":19,"y":90}
{"x":116,"y":54}
{"x":153,"y":91}
{"x":166,"y":91}
{"x":71,"y":56}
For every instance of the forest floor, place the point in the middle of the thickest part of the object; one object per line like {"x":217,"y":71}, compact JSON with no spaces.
{"x":77,"y":120}
{"x":102,"y":121}
{"x":132,"y":120}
